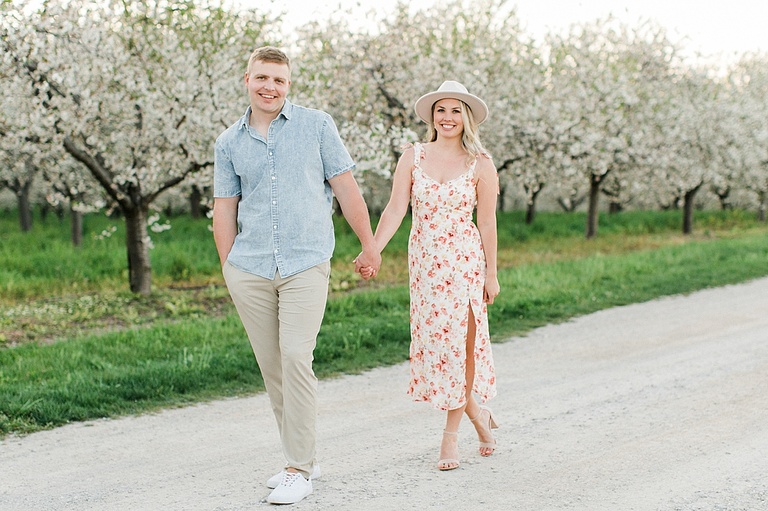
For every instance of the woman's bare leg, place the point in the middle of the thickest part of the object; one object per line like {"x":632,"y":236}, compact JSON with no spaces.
{"x":472,"y":408}
{"x":449,"y":448}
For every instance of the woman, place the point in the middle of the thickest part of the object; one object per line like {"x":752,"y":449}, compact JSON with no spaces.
{"x":452,"y":262}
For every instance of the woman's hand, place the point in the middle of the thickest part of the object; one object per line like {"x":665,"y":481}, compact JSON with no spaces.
{"x":491,"y":290}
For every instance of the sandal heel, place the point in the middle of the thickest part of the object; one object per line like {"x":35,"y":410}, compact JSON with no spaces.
{"x":492,"y":424}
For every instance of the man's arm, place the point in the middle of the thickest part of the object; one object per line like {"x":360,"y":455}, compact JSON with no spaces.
{"x":356,"y":213}
{"x":225,"y":225}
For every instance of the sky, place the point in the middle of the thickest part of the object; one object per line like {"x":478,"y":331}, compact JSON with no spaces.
{"x":718,"y":29}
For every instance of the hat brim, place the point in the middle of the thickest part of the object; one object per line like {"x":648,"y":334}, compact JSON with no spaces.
{"x":424,"y":104}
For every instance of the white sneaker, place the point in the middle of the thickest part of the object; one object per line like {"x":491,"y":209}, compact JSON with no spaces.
{"x":292,"y":489}
{"x":273,"y":481}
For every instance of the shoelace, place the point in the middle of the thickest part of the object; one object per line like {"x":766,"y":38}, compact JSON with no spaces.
{"x":289,"y":478}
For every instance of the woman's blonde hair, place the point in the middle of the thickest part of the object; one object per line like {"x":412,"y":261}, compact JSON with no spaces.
{"x":470,"y":138}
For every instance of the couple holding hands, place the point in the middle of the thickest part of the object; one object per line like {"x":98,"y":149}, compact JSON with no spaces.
{"x":276,"y":171}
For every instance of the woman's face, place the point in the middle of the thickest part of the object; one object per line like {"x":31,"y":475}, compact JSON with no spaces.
{"x":447,"y":118}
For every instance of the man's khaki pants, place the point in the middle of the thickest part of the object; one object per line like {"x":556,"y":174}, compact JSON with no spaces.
{"x":282,"y":318}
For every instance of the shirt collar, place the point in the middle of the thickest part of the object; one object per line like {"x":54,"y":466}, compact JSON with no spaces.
{"x":286,"y":112}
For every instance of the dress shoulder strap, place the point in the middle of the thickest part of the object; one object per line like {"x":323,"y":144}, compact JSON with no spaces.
{"x":418,"y":150}
{"x":471,"y":170}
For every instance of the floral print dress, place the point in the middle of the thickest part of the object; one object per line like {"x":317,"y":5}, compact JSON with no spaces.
{"x":447,"y":276}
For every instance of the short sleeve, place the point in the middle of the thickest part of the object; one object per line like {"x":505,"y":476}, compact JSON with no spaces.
{"x":335,"y":157}
{"x":226,"y":182}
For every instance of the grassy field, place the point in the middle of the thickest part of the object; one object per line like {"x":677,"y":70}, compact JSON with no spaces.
{"x":76,"y":345}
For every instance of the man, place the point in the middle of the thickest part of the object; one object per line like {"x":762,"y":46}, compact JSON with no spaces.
{"x":274,"y":175}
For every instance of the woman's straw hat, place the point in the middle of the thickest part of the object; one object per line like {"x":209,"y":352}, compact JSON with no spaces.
{"x":452,"y":90}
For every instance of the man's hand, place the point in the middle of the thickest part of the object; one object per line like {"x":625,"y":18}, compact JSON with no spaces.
{"x":367,"y":264}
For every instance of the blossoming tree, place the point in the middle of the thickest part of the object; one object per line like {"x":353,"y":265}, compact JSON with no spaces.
{"x":135,"y":91}
{"x":607,"y":72}
{"x":749,"y":149}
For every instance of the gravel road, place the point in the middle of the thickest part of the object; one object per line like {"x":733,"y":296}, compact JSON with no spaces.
{"x":658,"y":406}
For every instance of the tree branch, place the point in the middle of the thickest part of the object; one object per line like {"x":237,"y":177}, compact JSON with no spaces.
{"x":98,"y":172}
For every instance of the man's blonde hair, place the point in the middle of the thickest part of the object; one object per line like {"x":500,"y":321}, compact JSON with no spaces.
{"x":269,"y":54}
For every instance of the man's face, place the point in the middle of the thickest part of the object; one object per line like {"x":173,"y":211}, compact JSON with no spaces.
{"x":268,"y":84}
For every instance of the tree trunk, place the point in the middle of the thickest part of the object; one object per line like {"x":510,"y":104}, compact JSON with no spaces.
{"x":615,"y":207}
{"x":688,"y":210}
{"x":570,"y":204}
{"x":722,"y":197}
{"x":25,"y":208}
{"x":530,"y":210}
{"x":761,"y":207}
{"x":76,"y":219}
{"x":195,"y":198}
{"x":137,"y":244}
{"x":592,"y":213}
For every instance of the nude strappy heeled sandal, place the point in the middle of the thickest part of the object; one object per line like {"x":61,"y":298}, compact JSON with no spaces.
{"x":448,"y":463}
{"x":491,"y":426}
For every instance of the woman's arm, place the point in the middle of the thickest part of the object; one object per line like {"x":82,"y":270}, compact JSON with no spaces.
{"x":487,"y":191}
{"x":399,"y":199}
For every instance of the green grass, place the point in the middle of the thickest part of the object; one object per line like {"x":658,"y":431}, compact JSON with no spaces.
{"x":43,"y":261}
{"x":174,"y":348}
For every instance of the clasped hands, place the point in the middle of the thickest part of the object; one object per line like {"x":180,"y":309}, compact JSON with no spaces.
{"x":367,"y":264}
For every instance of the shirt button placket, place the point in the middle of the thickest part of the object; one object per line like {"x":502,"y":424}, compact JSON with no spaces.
{"x":273,"y":207}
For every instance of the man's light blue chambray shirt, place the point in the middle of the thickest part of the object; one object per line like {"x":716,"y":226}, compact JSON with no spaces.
{"x":284,"y":215}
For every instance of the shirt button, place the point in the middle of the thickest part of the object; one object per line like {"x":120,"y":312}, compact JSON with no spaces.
{"x":273,"y":178}
{"x":274,"y":227}
{"x":274,"y":202}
